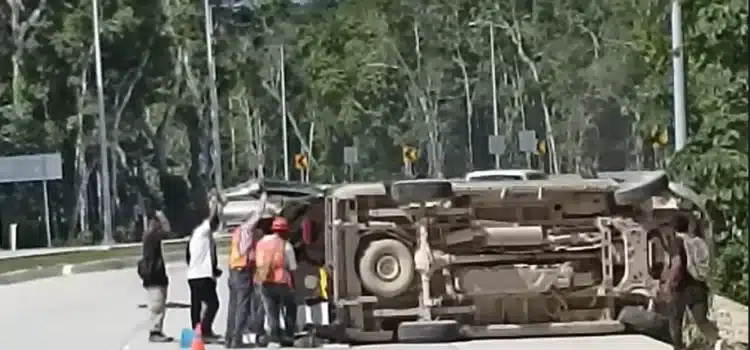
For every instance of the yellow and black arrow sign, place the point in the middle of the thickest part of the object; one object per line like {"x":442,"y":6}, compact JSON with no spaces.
{"x":659,"y":136}
{"x":541,"y":147}
{"x":409,"y":154}
{"x":300,"y":161}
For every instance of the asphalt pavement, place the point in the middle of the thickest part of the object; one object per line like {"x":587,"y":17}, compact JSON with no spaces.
{"x":99,"y":311}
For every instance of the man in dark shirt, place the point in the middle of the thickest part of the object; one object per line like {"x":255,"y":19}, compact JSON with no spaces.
{"x":683,"y":291}
{"x":153,"y":273}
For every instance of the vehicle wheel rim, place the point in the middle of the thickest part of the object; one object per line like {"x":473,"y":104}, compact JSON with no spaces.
{"x":387,"y":267}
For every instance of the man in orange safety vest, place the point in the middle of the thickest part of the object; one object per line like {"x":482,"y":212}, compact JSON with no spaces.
{"x":274,"y":264}
{"x":241,"y":263}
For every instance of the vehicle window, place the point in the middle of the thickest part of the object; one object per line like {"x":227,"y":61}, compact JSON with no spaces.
{"x":496,"y":178}
{"x":537,"y":176}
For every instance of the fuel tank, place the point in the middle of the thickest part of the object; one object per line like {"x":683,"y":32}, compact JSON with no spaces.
{"x":512,"y":236}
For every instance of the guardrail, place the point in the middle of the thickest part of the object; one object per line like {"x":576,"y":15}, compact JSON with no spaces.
{"x":38,"y":252}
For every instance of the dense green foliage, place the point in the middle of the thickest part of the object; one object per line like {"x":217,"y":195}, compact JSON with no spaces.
{"x":592,"y":77}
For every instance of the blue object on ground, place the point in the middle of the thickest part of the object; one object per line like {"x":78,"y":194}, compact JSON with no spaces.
{"x":186,"y":339}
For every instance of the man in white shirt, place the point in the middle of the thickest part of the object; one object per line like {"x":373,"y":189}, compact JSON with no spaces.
{"x":202,"y":273}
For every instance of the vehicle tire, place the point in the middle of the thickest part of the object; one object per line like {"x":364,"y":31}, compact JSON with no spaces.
{"x":426,"y":190}
{"x":429,"y":331}
{"x":386,"y":268}
{"x":638,"y":190}
{"x":648,"y":323}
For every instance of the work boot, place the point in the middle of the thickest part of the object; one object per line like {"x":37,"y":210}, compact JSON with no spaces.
{"x":237,"y":344}
{"x":262,"y":340}
{"x":159,"y":337}
{"x":211,"y":338}
{"x":287,"y":342}
{"x":241,"y":345}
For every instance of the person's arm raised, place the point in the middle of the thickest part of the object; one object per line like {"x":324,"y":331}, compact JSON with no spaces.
{"x":214,"y":209}
{"x":210,"y":223}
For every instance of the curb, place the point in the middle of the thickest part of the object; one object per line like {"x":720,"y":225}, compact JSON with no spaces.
{"x":82,"y":268}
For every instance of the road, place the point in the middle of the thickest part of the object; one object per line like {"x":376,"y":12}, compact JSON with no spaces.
{"x":99,"y":311}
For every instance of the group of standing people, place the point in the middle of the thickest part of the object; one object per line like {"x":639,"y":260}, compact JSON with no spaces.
{"x":261,"y":263}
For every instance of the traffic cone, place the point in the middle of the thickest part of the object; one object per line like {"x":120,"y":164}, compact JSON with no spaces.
{"x":198,"y":343}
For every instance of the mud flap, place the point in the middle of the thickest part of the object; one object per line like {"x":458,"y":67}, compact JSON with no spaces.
{"x":429,"y":331}
{"x":637,"y":186}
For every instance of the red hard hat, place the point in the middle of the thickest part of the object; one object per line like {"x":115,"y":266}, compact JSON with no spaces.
{"x":279,"y":225}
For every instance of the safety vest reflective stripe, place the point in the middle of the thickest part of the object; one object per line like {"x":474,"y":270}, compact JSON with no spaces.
{"x":237,"y":260}
{"x":270,"y":252}
{"x":323,"y":283}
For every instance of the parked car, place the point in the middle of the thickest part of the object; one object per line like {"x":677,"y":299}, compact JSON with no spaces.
{"x":506,"y":175}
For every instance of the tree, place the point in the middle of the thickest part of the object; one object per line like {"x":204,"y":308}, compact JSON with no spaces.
{"x":590,"y":77}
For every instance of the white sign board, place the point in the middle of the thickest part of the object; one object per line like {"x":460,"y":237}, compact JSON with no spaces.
{"x":35,"y":167}
{"x":350,"y":156}
{"x":497,"y":144}
{"x":527,"y":141}
{"x":253,"y":160}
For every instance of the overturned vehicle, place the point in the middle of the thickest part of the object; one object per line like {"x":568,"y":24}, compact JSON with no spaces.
{"x":441,"y":260}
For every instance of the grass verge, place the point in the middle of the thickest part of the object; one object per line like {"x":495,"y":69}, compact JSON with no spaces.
{"x":17,"y":264}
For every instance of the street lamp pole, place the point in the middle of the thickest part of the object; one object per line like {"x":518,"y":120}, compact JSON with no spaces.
{"x":284,"y":131}
{"x":495,"y":116}
{"x":678,"y":78}
{"x":495,"y":121}
{"x":103,"y":139}
{"x":213,"y":95}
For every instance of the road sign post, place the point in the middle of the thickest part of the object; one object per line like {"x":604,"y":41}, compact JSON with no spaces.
{"x":13,"y":235}
{"x":527,"y":143}
{"x":255,"y":162}
{"x":36,"y":167}
{"x":351,"y":158}
{"x":408,"y":156}
{"x":496,"y":145}
{"x":301,"y":164}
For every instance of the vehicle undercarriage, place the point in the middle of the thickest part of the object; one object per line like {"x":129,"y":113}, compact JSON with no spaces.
{"x":562,"y":256}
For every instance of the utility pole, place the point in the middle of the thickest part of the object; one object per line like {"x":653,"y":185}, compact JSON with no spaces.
{"x":678,"y":78}
{"x":106,"y":199}
{"x":213,"y":95}
{"x":284,"y":131}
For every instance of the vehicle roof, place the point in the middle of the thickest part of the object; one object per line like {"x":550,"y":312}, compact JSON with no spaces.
{"x":252,"y":188}
{"x":506,"y":172}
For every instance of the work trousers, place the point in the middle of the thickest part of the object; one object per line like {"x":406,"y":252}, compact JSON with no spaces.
{"x":157,"y":306}
{"x":203,"y":291}
{"x":241,"y":315}
{"x":277,"y":299}
{"x":258,"y":324}
{"x":694,"y":297}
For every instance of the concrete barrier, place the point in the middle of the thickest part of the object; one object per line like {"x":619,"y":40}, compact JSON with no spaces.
{"x":731,"y":318}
